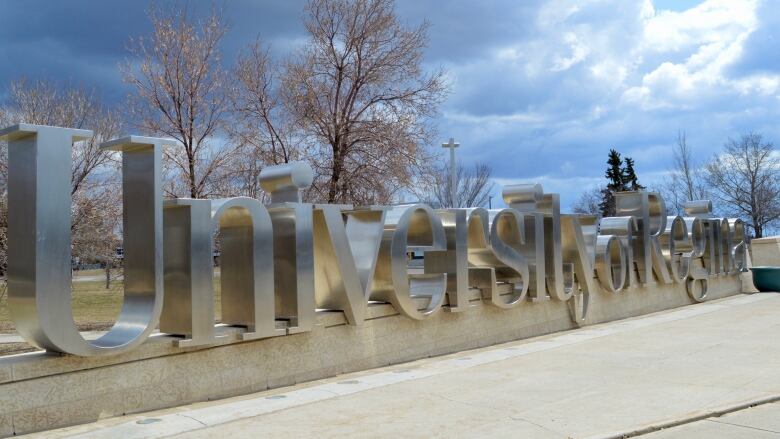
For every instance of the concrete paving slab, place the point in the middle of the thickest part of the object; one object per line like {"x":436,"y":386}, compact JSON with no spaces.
{"x":762,"y":421}
{"x":712,"y":430}
{"x":599,"y":381}
{"x":763,"y":417}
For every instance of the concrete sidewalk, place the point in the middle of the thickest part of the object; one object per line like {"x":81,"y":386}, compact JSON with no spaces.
{"x":621,"y":378}
{"x":758,"y":422}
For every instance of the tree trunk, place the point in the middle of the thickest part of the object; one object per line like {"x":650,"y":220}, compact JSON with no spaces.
{"x":335,"y":176}
{"x":193,"y":188}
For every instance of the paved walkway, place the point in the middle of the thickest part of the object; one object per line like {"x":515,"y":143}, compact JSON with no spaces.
{"x":621,"y":378}
{"x":758,"y":422}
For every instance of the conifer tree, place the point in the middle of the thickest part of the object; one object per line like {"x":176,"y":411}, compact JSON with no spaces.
{"x":620,"y":178}
{"x":615,"y":174}
{"x":631,"y":181}
{"x":616,"y":178}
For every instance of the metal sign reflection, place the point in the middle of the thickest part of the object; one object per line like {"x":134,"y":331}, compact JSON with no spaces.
{"x":282,"y":261}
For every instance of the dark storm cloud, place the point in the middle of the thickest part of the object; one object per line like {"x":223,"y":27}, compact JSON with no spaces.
{"x":83,"y":41}
{"x":463,"y":30}
{"x":77,"y":41}
{"x":540,"y":89}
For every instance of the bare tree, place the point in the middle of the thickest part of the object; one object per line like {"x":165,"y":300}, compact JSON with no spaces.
{"x":48,"y":103}
{"x":94,"y":182}
{"x":745,"y":181}
{"x":472,"y":186}
{"x":3,"y":233}
{"x":360,"y":93}
{"x":589,"y":202}
{"x":266,"y":133}
{"x":686,"y":178}
{"x":5,"y":120}
{"x":96,"y":237}
{"x":179,"y":93}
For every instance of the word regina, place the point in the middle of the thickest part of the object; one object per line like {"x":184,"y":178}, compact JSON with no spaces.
{"x":282,"y":261}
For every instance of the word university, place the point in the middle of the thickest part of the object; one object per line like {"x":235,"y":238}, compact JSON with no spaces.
{"x":283,"y":261}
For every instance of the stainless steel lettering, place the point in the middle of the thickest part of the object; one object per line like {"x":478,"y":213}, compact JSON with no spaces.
{"x":413,"y":292}
{"x":39,"y":239}
{"x":281,"y":262}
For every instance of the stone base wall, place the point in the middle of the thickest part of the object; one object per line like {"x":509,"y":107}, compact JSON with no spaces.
{"x":40,"y":391}
{"x":765,"y":251}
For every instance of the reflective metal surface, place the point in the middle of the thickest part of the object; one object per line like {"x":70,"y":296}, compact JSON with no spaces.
{"x":656,"y":228}
{"x":694,"y":249}
{"x":294,"y":264}
{"x":560,"y":275}
{"x":346,"y":249}
{"x":284,"y":182}
{"x":39,"y":206}
{"x":142,"y":241}
{"x":482,"y":252}
{"x":507,"y":237}
{"x":525,"y":198}
{"x":247,"y":265}
{"x":39,"y":203}
{"x":414,"y":293}
{"x":578,"y":240}
{"x":698,"y":208}
{"x":698,"y":285}
{"x":693,"y":245}
{"x":712,"y":255}
{"x":624,"y":228}
{"x":611,"y":263}
{"x":725,"y":247}
{"x":293,"y":243}
{"x":675,"y":245}
{"x":454,"y":260}
{"x":649,"y":210}
{"x":738,"y":245}
{"x":281,"y":262}
{"x":188,"y":308}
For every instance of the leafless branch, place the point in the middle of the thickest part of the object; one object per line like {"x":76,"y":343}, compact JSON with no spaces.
{"x":686,"y":180}
{"x":94,"y":180}
{"x":180,"y":93}
{"x":745,"y":181}
{"x":361,"y":97}
{"x":472,"y":186}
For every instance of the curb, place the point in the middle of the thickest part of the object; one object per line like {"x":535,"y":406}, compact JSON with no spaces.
{"x":693,"y":417}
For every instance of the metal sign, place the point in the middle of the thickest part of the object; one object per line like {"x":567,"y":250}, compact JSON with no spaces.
{"x":282,"y":261}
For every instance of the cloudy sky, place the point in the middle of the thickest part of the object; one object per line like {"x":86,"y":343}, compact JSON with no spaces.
{"x":540,"y":89}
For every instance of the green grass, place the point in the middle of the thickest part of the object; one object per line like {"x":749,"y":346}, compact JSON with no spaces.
{"x":94,"y":307}
{"x":95,"y":272}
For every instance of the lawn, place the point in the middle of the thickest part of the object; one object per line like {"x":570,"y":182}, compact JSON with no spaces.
{"x":94,"y":307}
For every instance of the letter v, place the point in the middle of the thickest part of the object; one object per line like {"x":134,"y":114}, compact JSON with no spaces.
{"x":346,"y":246}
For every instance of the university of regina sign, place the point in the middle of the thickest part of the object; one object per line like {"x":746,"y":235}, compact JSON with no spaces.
{"x":282,"y":261}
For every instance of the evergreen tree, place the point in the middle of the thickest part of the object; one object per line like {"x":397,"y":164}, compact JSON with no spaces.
{"x":607,"y":204}
{"x":616,"y":178}
{"x":620,"y":178}
{"x":615,"y":174}
{"x":631,"y":181}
